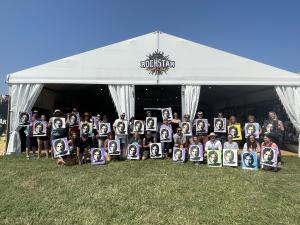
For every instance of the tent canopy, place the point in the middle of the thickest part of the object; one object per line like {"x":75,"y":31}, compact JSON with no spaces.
{"x":120,"y":63}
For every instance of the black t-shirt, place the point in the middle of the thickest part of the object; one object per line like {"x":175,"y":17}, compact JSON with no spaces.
{"x":83,"y":143}
{"x":147,"y":142}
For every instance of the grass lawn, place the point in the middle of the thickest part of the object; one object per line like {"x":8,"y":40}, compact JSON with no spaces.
{"x":148,"y":192}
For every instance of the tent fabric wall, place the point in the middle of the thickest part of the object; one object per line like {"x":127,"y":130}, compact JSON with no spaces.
{"x":23,"y":97}
{"x":190,"y":95}
{"x":290,"y":98}
{"x":124,"y":99}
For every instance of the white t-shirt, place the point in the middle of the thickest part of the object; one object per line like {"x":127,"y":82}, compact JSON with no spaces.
{"x":233,"y":145}
{"x":121,"y":137}
{"x":213,"y":145}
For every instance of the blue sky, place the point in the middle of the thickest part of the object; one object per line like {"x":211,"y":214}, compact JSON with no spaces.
{"x":33,"y":32}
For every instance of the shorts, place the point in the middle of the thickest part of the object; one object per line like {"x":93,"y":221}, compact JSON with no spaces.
{"x":31,"y":142}
{"x":121,"y":138}
{"x":44,"y":138}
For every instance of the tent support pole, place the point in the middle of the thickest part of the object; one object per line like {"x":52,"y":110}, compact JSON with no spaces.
{"x":299,"y":146}
{"x":8,"y":123}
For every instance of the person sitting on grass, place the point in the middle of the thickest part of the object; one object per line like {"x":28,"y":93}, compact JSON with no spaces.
{"x":269,"y":143}
{"x":105,"y":144}
{"x":230,"y":144}
{"x":69,"y":160}
{"x":252,"y":145}
{"x":110,"y":137}
{"x":83,"y":146}
{"x":213,"y":143}
{"x":148,"y":139}
{"x":135,"y":139}
{"x":179,"y":138}
{"x":195,"y":141}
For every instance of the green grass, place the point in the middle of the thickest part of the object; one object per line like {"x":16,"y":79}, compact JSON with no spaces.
{"x":148,"y":192}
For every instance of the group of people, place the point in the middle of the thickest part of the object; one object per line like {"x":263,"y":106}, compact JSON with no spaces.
{"x":83,"y":133}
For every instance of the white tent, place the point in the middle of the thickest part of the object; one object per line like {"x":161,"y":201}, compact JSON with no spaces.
{"x":120,"y":66}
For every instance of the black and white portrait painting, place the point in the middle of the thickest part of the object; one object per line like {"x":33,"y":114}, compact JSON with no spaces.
{"x":73,"y":119}
{"x":138,"y":126}
{"x":179,"y":154}
{"x":201,"y":126}
{"x":39,"y":128}
{"x":214,"y":158}
{"x":133,"y":151}
{"x":95,"y":122}
{"x":251,"y":129}
{"x":113,"y":147}
{"x":269,"y":156}
{"x":104,"y":129}
{"x":97,"y":156}
{"x":186,"y":128}
{"x":196,"y":152}
{"x":151,"y":123}
{"x":86,"y":129}
{"x":165,"y":134}
{"x":235,"y":131}
{"x":230,"y":157}
{"x":58,"y":123}
{"x":166,"y":113}
{"x":24,"y":118}
{"x":122,"y":127}
{"x":155,"y":150}
{"x":60,"y":147}
{"x":220,"y":125}
{"x":270,"y":126}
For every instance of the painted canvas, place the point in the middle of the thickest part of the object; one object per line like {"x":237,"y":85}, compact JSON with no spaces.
{"x":104,"y":129}
{"x":86,"y":129}
{"x":214,"y":158}
{"x":151,"y":123}
{"x":196,"y":152}
{"x":166,"y":113}
{"x":201,"y":126}
{"x":249,"y":160}
{"x":155,"y":151}
{"x":186,"y":128}
{"x":25,"y":118}
{"x":113,"y":147}
{"x":39,"y":128}
{"x":252,"y":129}
{"x":97,"y":156}
{"x":230,"y":157}
{"x":60,"y":147}
{"x":235,"y":131}
{"x":165,"y":133}
{"x":269,"y":157}
{"x":133,"y":151}
{"x":220,"y":125}
{"x":138,"y":126}
{"x":179,"y":154}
